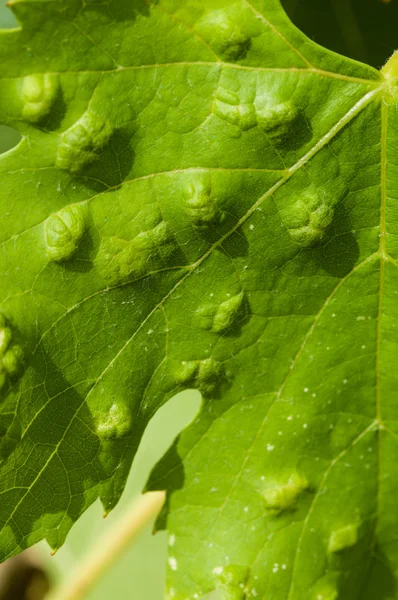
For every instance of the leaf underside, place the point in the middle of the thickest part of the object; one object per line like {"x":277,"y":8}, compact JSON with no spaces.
{"x":202,"y":198}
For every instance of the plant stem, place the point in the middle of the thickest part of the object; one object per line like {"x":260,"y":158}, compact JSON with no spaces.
{"x":111,"y":546}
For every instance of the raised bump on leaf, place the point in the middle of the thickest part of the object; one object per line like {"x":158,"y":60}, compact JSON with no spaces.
{"x":308,"y":219}
{"x":342,"y":538}
{"x":83,"y":142}
{"x":63,"y":232}
{"x":118,"y":259}
{"x":116,"y":423}
{"x":284,"y":495}
{"x":228,"y":106}
{"x":224,"y":34}
{"x":276,"y":121}
{"x":232,"y":581}
{"x":242,"y":115}
{"x":39,"y":92}
{"x":5,"y":338}
{"x":220,"y":318}
{"x":329,"y":593}
{"x":13,"y":360}
{"x":200,"y":203}
{"x":11,"y":354}
{"x":205,"y":375}
{"x":326,"y":589}
{"x":186,"y":371}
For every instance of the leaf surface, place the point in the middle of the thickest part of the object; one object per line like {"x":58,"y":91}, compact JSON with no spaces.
{"x":202,"y":198}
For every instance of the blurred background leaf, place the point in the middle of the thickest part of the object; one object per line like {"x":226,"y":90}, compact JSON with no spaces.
{"x":365,"y":30}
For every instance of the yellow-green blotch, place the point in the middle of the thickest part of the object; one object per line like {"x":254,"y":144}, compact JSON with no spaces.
{"x":343,"y":538}
{"x":223,"y":32}
{"x":83,"y":142}
{"x":308,"y":219}
{"x":231,"y":582}
{"x":205,"y":375}
{"x":220,"y":318}
{"x":39,"y":92}
{"x":284,"y":495}
{"x":116,"y":423}
{"x":201,"y":205}
{"x":119,"y":259}
{"x":63,"y":232}
{"x":276,"y":121}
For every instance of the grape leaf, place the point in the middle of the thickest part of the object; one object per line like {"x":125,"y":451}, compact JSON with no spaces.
{"x":202,"y":198}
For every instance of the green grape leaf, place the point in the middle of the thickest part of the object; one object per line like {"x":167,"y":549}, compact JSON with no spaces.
{"x":202,"y":198}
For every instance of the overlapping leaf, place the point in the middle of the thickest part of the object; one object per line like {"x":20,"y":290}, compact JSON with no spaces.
{"x":202,"y":198}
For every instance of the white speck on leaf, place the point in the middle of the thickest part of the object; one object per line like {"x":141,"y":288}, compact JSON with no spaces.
{"x":218,"y":570}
